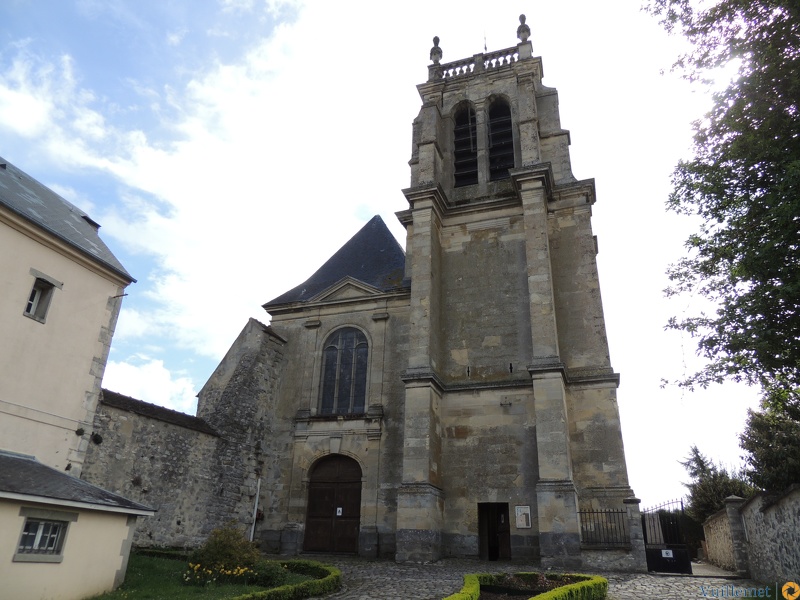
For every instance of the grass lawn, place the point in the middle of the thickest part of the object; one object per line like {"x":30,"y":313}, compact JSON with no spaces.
{"x":152,"y":578}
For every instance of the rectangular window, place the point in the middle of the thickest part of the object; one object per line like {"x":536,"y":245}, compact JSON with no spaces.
{"x":43,"y":535}
{"x":40,"y":296}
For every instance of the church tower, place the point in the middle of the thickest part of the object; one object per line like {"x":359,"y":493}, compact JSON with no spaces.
{"x":455,"y":399}
{"x":511,"y":424}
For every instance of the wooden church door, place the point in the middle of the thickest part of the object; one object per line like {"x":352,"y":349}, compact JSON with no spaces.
{"x":334,"y":505}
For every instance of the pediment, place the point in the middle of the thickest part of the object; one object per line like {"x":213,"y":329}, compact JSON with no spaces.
{"x":346,"y":289}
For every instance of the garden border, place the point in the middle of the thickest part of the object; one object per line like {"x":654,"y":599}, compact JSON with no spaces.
{"x":592,"y":587}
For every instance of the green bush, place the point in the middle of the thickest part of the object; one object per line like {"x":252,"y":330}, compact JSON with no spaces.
{"x":226,"y":547}
{"x":590,"y":588}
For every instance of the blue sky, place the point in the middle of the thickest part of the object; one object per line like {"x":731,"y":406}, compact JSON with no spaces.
{"x":227,"y":148}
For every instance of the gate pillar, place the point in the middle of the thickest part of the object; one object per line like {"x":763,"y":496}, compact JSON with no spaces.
{"x":638,"y":555}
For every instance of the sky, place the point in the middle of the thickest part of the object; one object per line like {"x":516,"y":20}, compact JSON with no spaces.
{"x":229,"y":147}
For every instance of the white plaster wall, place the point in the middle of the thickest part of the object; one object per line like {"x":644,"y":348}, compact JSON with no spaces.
{"x":50,"y":378}
{"x":94,"y":551}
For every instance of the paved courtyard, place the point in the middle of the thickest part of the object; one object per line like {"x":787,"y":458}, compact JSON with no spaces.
{"x":387,"y":580}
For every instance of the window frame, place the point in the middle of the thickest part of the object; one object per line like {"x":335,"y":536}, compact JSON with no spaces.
{"x":500,"y":129}
{"x":466,"y":165}
{"x":40,"y":296}
{"x":349,"y":373}
{"x":55,"y":542}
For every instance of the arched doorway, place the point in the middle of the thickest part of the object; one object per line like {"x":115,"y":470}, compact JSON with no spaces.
{"x":334,"y":505}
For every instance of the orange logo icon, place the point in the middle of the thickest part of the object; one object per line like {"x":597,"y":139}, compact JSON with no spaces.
{"x":791,"y":591}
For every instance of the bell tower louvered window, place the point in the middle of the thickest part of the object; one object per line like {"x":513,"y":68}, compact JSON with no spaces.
{"x":465,"y":150}
{"x":344,"y":373}
{"x":501,"y":141}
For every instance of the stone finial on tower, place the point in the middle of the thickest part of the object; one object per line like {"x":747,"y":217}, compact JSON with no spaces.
{"x":436,"y":52}
{"x":523,"y":31}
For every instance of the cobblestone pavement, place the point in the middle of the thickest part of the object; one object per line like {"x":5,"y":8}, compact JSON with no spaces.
{"x":387,"y":580}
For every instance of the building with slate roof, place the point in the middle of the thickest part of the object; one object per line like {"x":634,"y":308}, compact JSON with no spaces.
{"x":62,"y":288}
{"x":455,"y":399}
{"x":62,"y":292}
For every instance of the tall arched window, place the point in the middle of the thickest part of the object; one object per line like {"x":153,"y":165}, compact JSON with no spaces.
{"x":344,"y":373}
{"x":501,"y":141}
{"x":465,"y":147}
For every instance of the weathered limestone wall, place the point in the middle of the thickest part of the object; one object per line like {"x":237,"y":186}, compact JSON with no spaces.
{"x":159,"y":464}
{"x":483,"y":270}
{"x":576,"y":286}
{"x":719,"y":543}
{"x":488,"y":455}
{"x":198,"y":480}
{"x":300,"y":436}
{"x":773,"y":550}
{"x":239,"y":401}
{"x":598,"y":455}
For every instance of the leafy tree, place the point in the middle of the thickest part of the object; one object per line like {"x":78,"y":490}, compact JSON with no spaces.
{"x":772,"y":441}
{"x":710,"y":485}
{"x":744,"y":184}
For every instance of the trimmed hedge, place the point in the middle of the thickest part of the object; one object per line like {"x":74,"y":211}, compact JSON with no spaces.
{"x":590,"y":588}
{"x":181,"y":554}
{"x":328,"y":580}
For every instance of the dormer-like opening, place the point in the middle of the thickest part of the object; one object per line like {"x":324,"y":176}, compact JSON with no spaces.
{"x":465,"y":147}
{"x":501,"y":140}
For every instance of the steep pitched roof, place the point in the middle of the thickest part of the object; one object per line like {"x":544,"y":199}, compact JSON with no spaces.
{"x":24,"y":477}
{"x":22,"y":194}
{"x":156,"y":412}
{"x":372,"y":256}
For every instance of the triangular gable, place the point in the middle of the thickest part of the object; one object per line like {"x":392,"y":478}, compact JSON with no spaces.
{"x":372,"y":257}
{"x":345,"y":289}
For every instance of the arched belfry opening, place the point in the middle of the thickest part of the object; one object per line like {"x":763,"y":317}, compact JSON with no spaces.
{"x":501,"y":140}
{"x":333,"y":512}
{"x":465,"y":147}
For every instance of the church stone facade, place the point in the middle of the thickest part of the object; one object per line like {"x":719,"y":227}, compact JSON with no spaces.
{"x":454,"y":400}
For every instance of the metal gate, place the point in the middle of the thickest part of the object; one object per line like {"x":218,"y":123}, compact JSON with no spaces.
{"x":664,"y":539}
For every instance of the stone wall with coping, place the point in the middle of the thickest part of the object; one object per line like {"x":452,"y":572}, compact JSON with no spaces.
{"x":161,"y":465}
{"x":719,"y":544}
{"x":772,"y":539}
{"x":197,"y":473}
{"x":757,"y":538}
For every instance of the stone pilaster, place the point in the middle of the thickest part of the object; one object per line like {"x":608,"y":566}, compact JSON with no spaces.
{"x":533,"y":186}
{"x":557,"y":499}
{"x":420,"y":502}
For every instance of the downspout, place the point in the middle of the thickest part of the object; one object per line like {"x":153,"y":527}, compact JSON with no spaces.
{"x":255,"y":509}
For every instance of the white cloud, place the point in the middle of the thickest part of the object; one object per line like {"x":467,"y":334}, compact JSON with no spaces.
{"x":147,"y":379}
{"x":174,"y":38}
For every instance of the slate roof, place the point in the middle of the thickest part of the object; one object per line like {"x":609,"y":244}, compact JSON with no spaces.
{"x":22,"y":194}
{"x":23,"y":475}
{"x":155,"y":412}
{"x":372,"y":256}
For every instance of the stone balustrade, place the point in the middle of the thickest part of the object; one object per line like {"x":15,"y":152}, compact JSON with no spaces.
{"x":478,"y":63}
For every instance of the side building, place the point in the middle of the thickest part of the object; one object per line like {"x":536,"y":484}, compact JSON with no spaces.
{"x":62,"y":289}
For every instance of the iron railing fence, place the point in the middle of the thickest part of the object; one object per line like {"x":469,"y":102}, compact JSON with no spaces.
{"x":604,"y":528}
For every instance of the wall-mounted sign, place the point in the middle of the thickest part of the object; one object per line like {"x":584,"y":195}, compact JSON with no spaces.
{"x":666,"y":554}
{"x":338,"y":511}
{"x":523,"y":517}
